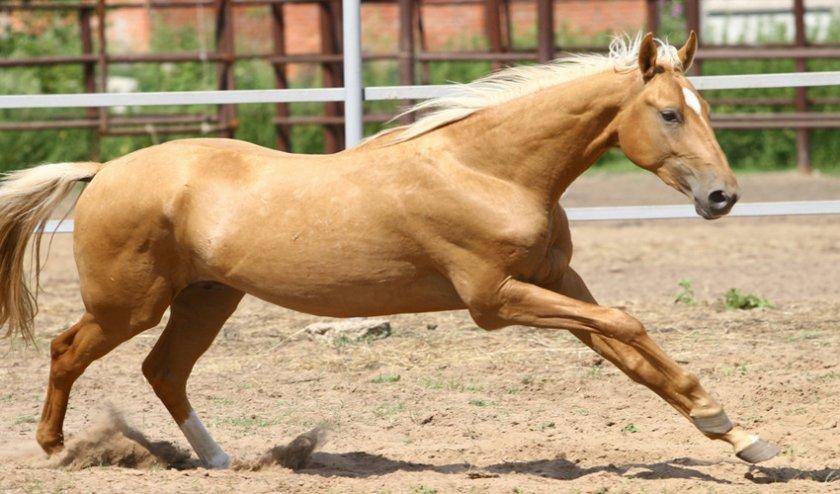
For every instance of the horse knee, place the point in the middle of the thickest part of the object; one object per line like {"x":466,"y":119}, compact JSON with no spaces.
{"x":163,"y":382}
{"x":624,"y":327}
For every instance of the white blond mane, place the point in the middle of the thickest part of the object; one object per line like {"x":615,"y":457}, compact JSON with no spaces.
{"x":514,"y":82}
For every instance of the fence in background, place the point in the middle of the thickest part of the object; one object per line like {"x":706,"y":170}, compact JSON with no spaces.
{"x":353,"y":94}
{"x":412,"y":54}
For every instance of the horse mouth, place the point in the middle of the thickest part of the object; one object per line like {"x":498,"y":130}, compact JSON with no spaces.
{"x":709,"y":214}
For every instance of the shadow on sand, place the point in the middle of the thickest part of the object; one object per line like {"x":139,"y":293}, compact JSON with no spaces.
{"x":360,"y":464}
{"x":114,"y":442}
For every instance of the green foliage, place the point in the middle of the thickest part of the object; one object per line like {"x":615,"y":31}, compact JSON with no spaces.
{"x":630,"y":429}
{"x":386,"y":378}
{"x":479,"y":403}
{"x":746,"y":150}
{"x":686,"y":294}
{"x":736,"y":299}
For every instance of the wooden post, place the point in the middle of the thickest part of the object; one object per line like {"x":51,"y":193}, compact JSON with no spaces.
{"x":803,"y":136}
{"x":425,"y":70}
{"x":653,"y":16}
{"x":330,"y":20}
{"x":692,"y":20}
{"x":89,"y":74}
{"x":103,"y":62}
{"x":407,"y":76}
{"x":406,"y":8}
{"x":545,"y":30}
{"x":225,"y":48}
{"x":278,"y":34}
{"x":493,"y":28}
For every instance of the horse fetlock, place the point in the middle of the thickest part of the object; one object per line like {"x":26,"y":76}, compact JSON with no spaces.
{"x":714,"y":424}
{"x":51,"y":442}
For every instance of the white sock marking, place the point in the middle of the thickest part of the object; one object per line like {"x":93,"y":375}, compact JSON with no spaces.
{"x":205,"y":447}
{"x":692,"y":101}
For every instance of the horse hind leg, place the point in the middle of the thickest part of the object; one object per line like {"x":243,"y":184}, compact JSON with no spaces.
{"x":73,"y":351}
{"x":197,"y":314}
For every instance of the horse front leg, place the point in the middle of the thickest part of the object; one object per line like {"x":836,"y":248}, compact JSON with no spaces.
{"x":621,"y":339}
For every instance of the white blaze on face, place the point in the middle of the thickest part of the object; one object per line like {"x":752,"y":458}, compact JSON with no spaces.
{"x":692,"y":101}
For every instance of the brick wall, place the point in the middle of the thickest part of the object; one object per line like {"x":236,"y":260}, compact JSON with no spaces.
{"x":446,"y":26}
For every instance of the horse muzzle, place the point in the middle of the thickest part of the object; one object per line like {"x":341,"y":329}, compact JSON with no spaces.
{"x":715,"y":204}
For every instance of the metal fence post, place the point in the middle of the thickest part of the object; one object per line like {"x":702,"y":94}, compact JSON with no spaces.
{"x":353,"y":111}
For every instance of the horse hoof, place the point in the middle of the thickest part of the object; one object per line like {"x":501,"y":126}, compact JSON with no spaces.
{"x":219,"y":461}
{"x":758,"y":451}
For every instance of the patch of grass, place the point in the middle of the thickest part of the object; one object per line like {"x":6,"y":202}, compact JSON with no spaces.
{"x":389,"y":409}
{"x":341,"y":341}
{"x":741,"y":368}
{"x":479,"y":403}
{"x":386,"y":378}
{"x":451,"y":385}
{"x":247,"y":423}
{"x":25,"y":419}
{"x":789,"y":452}
{"x":686,"y":293}
{"x":422,"y":489}
{"x":735,"y":299}
{"x":630,"y":429}
{"x":831,"y":376}
{"x":431,"y":383}
{"x":805,"y":335}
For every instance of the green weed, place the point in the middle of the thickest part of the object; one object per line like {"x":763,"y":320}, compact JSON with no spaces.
{"x":735,"y":299}
{"x":630,"y":428}
{"x":686,"y":293}
{"x":479,"y":403}
{"x":386,"y":378}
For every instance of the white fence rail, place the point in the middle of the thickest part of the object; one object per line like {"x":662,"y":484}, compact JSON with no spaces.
{"x":373,"y":93}
{"x":665,"y":212}
{"x":353,"y":94}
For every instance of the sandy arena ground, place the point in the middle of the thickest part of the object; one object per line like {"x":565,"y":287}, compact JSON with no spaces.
{"x":441,"y":406}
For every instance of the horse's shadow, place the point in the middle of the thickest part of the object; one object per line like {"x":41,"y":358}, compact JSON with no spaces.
{"x":117,"y":443}
{"x":362,"y":465}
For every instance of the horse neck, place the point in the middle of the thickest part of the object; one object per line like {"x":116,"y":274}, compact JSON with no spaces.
{"x":545,"y":140}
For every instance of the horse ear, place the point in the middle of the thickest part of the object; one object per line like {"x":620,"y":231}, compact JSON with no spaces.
{"x":687,"y":52}
{"x":647,"y":56}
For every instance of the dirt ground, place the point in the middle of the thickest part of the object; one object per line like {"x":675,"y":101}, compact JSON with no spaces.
{"x":441,"y":406}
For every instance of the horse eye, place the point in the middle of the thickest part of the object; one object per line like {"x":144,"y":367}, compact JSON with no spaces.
{"x":670,"y":116}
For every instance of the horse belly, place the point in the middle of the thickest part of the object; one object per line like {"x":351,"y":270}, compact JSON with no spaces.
{"x":347,"y":274}
{"x":361,"y":300}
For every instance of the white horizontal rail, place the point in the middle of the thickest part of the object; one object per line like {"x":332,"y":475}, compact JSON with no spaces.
{"x":781,"y":208}
{"x":88,"y":100}
{"x":756,"y":81}
{"x":791,"y":208}
{"x":793,"y":79}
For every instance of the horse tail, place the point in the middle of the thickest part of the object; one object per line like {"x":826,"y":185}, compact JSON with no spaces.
{"x":27,"y":198}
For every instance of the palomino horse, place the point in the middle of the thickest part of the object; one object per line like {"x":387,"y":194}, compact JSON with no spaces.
{"x":456,"y":211}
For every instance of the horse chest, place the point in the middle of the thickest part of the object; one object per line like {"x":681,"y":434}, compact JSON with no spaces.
{"x":548,"y":259}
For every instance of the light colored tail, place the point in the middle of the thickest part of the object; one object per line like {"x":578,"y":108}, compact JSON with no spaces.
{"x":27,"y":197}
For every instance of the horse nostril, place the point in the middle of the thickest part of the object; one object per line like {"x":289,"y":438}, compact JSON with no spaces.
{"x":718,"y":198}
